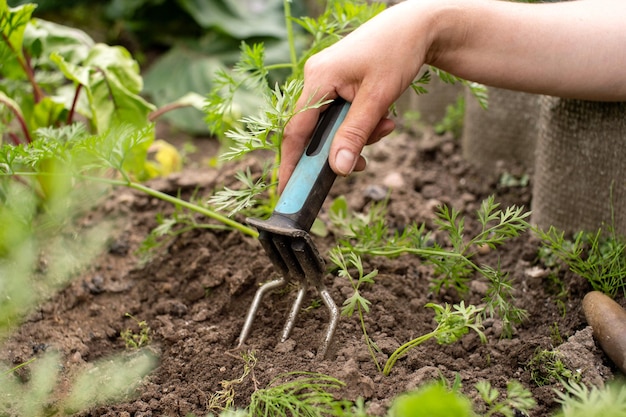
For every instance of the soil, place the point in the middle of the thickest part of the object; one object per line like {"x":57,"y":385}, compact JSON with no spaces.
{"x":195,"y":291}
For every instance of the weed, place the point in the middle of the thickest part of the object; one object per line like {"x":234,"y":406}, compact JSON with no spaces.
{"x":356,"y":302}
{"x":134,"y":340}
{"x":224,"y":399}
{"x":600,"y":259}
{"x":452,"y":324}
{"x":546,"y":367}
{"x":301,"y":394}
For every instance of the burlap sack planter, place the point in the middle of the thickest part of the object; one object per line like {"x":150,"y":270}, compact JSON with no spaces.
{"x":503,"y":136}
{"x":580,"y":162}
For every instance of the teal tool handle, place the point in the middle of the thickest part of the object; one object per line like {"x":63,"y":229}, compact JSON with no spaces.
{"x":312,"y":178}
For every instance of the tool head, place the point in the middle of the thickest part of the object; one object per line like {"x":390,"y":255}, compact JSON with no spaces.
{"x":291,"y":250}
{"x":285,"y":237}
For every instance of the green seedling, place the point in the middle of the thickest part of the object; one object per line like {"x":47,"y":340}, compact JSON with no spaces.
{"x":479,"y":91}
{"x":432,"y":400}
{"x":509,"y":180}
{"x":580,"y":401}
{"x":264,"y":131}
{"x":498,"y":301}
{"x":517,"y":399}
{"x":299,"y":394}
{"x":452,"y":324}
{"x":356,"y":302}
{"x":452,"y":121}
{"x":546,"y":367}
{"x":436,"y":399}
{"x":599,"y":258}
{"x":134,"y":340}
{"x":453,"y":265}
{"x":107,"y":380}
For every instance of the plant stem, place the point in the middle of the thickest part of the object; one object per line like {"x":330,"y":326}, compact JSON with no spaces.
{"x":368,"y":341}
{"x":190,"y":206}
{"x":19,"y":116}
{"x":290,"y":35}
{"x":407,"y":346}
{"x":162,"y":196}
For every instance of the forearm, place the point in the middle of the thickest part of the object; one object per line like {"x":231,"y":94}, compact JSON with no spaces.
{"x":574,"y":49}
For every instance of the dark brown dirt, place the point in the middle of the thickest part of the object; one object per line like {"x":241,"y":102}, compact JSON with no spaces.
{"x":194,"y":294}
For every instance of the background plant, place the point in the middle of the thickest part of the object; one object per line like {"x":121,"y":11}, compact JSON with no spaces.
{"x":452,"y":264}
{"x":598,"y":257}
{"x":437,"y":399}
{"x":578,"y":400}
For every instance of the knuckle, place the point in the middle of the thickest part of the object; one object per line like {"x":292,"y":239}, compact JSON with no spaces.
{"x":354,"y":136}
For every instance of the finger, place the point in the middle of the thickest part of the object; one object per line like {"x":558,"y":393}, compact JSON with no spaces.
{"x":361,"y":123}
{"x":384,"y":128}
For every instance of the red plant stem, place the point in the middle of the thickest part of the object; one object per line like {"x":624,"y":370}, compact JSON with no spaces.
{"x":70,"y":116}
{"x":168,"y":107}
{"x":28,"y":70}
{"x":37,"y":91}
{"x":14,"y":138}
{"x":20,"y":119}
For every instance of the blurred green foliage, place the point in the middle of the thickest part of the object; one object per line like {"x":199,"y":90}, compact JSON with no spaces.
{"x":181,"y":44}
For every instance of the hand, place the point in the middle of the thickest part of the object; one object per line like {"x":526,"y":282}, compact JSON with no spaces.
{"x":370,"y":68}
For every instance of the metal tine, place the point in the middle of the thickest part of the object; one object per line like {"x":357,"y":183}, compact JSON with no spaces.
{"x":299,"y":261}
{"x":247,"y":326}
{"x":278,"y":249}
{"x":269,"y":245}
{"x":313,"y":266}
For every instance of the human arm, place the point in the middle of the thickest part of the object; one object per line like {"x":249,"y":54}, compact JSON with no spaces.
{"x":570,"y":49}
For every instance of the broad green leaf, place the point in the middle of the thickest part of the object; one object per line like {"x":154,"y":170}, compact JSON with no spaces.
{"x":433,"y":400}
{"x":195,"y":69}
{"x":239,"y":19}
{"x":46,"y":113}
{"x":42,"y":38}
{"x":112,"y":83}
{"x":13,"y":21}
{"x":117,"y":61}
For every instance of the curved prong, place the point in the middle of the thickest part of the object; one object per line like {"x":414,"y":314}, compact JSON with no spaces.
{"x":247,"y":326}
{"x":295,"y":307}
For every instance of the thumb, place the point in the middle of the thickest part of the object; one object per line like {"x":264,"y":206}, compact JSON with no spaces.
{"x":354,"y":133}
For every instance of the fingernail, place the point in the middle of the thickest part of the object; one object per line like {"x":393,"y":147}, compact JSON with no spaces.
{"x":345,"y":162}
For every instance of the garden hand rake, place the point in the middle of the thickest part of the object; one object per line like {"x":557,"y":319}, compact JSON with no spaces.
{"x":285,"y":237}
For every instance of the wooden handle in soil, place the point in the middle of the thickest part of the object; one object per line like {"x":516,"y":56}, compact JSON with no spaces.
{"x":608,"y":321}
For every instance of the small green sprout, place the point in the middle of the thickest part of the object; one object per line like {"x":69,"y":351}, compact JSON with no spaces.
{"x":136,"y":340}
{"x":517,"y":399}
{"x":598,"y":257}
{"x":547,"y":367}
{"x":356,"y":302}
{"x":452,"y":324}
